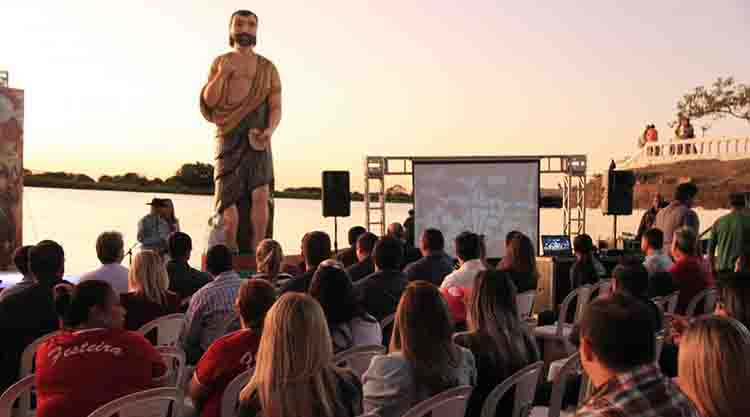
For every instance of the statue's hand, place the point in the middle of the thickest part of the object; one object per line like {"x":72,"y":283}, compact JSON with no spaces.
{"x":257,"y":139}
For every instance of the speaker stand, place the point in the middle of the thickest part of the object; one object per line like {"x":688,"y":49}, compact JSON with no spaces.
{"x":614,"y":231}
{"x":336,"y":235}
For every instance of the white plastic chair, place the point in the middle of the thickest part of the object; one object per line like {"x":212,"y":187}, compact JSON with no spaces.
{"x":231,"y":396}
{"x":387,"y":321}
{"x":149,"y":403}
{"x":449,"y":403}
{"x":22,"y":387}
{"x":525,"y":382}
{"x":358,"y":358}
{"x":175,"y":360}
{"x":659,"y":346}
{"x":561,"y":330}
{"x":525,"y":303}
{"x":26,"y":368}
{"x":571,"y":367}
{"x":708,"y":297}
{"x":667,"y":303}
{"x":604,"y":286}
{"x":168,"y":329}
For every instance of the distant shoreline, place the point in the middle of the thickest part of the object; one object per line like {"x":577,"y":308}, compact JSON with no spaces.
{"x":32,"y":182}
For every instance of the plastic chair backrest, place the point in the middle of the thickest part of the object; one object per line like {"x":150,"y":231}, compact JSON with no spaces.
{"x":708,"y":297}
{"x":604,"y":286}
{"x":168,"y":329}
{"x":27,"y":368}
{"x":659,"y":345}
{"x":176,"y":363}
{"x":24,"y":386}
{"x":672,"y":303}
{"x":358,"y":358}
{"x":525,"y":382}
{"x":581,"y":296}
{"x":449,"y":403}
{"x":525,"y":303}
{"x":231,"y":396}
{"x":559,"y":384}
{"x":145,"y":403}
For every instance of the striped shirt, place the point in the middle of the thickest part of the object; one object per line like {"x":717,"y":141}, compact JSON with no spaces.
{"x":211,"y":310}
{"x":644,"y":391}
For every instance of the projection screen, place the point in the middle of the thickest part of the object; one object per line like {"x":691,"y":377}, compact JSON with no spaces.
{"x":489,"y":197}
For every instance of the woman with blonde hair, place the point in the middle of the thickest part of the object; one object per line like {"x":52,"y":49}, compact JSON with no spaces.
{"x":148,"y":298}
{"x":268,"y":258}
{"x":422,"y":360}
{"x":294,"y":374}
{"x":713,"y":367}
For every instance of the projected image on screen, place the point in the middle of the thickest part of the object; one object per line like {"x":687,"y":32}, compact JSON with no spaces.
{"x":489,"y":198}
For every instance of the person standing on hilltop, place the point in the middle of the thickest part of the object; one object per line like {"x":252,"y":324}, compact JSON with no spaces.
{"x":728,"y":235}
{"x":684,"y":129}
{"x":678,"y":213}
{"x":649,"y":217}
{"x":243,"y":99}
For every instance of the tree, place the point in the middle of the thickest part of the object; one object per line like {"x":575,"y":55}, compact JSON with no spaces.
{"x":723,"y":98}
{"x":196,"y":175}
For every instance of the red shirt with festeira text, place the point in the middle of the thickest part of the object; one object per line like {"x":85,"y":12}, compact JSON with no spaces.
{"x":78,"y":372}
{"x":226,"y":358}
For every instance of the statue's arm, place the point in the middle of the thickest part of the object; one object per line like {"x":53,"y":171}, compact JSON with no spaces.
{"x":274,"y":102}
{"x":212,"y":91}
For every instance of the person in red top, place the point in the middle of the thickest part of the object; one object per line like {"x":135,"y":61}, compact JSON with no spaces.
{"x":689,"y":273}
{"x":94,"y":360}
{"x":149,"y":297}
{"x":234,"y":353}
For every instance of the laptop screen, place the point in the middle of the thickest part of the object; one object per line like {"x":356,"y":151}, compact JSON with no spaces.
{"x":556,"y":245}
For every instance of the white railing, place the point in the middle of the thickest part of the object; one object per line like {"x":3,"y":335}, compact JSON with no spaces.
{"x":655,"y":153}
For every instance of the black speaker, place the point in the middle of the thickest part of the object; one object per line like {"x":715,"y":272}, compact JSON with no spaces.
{"x":618,"y":193}
{"x":337,"y":200}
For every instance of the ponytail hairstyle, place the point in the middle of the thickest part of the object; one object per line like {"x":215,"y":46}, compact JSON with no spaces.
{"x":269,"y":257}
{"x":73,"y":303}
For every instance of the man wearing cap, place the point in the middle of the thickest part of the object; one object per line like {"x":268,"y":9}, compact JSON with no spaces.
{"x":153,"y":230}
{"x":727,"y":235}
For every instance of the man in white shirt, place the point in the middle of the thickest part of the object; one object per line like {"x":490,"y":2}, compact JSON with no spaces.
{"x":469,"y":252}
{"x":656,"y":261}
{"x":110,"y":249}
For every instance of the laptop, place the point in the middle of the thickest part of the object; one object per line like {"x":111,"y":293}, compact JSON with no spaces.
{"x":556,"y":245}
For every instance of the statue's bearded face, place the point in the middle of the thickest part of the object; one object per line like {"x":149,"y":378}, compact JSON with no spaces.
{"x":243,"y":31}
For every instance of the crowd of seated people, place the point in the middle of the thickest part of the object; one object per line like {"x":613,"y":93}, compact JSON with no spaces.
{"x":287,"y":328}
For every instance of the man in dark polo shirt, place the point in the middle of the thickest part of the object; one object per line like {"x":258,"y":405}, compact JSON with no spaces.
{"x":316,"y":248}
{"x":183,"y":279}
{"x":435,"y":263}
{"x":380,"y":292}
{"x":30,"y":314}
{"x":348,"y":256}
{"x":365,"y":266}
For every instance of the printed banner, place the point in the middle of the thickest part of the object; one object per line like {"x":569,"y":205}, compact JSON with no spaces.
{"x":11,"y":174}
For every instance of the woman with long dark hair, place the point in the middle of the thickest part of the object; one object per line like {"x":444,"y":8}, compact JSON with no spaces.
{"x":520,"y":263}
{"x":94,"y":360}
{"x":586,"y":269}
{"x":349,"y":323}
{"x":422,"y":360}
{"x":499,"y":340}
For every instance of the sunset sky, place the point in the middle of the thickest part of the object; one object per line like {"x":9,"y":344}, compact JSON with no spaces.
{"x":113,"y":87}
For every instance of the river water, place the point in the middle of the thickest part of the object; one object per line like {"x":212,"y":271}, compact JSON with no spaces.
{"x":76,"y":217}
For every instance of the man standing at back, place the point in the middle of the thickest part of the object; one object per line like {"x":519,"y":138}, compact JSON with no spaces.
{"x":435,"y":264}
{"x":211,"y":309}
{"x":110,"y":249}
{"x":381,"y":291}
{"x":30,"y":314}
{"x":678,"y":213}
{"x":727,"y":235}
{"x":617,"y":347}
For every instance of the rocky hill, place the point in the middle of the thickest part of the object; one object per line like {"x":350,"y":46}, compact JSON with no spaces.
{"x":715,"y":180}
